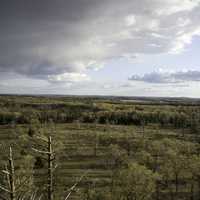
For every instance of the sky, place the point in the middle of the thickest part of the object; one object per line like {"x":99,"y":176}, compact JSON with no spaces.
{"x":100,"y":47}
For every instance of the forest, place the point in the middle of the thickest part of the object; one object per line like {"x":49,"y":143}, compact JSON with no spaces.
{"x":99,"y":148}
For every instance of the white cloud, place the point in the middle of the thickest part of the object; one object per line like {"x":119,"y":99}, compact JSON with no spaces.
{"x":174,"y":6}
{"x":184,"y":38}
{"x":130,"y":20}
{"x":68,"y":77}
{"x":183,"y":22}
{"x":165,"y":77}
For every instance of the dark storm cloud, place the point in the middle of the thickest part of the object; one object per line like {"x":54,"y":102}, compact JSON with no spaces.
{"x":49,"y":38}
{"x":167,"y":77}
{"x":32,"y":31}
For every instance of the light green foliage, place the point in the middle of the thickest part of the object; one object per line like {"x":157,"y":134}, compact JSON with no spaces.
{"x":136,"y":182}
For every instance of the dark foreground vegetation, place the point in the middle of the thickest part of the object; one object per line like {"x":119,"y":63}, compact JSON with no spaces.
{"x":102,"y":148}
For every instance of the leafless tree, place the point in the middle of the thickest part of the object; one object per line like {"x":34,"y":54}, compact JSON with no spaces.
{"x":50,"y":159}
{"x":12,"y":189}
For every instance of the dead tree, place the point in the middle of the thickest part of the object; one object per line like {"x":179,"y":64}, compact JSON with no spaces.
{"x":12,"y":190}
{"x":12,"y":177}
{"x":10,"y":174}
{"x":50,"y":158}
{"x":50,"y":170}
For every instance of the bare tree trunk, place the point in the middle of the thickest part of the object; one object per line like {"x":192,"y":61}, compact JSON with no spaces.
{"x":50,"y":158}
{"x":12,"y":176}
{"x":50,"y":170}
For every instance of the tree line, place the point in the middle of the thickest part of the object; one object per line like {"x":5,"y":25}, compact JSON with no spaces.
{"x":182,"y":120}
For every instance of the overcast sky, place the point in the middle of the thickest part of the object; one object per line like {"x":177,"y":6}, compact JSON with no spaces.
{"x":100,"y":47}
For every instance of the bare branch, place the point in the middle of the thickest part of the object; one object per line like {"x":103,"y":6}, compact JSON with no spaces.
{"x":5,"y":172}
{"x":39,"y":151}
{"x":4,"y":189}
{"x":55,"y":167}
{"x":8,"y":175}
{"x":75,"y":185}
{"x":22,"y":184}
{"x":42,"y":138}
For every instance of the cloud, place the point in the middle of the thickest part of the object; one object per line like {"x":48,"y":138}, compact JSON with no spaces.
{"x":52,"y":40}
{"x":168,"y":77}
{"x":68,"y":77}
{"x":130,"y":20}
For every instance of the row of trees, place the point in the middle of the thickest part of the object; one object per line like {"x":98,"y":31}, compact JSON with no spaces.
{"x":22,"y":109}
{"x":175,"y":119}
